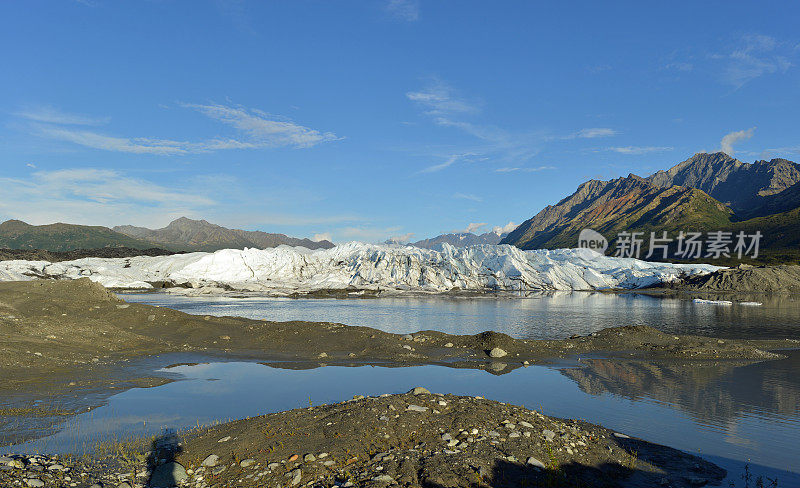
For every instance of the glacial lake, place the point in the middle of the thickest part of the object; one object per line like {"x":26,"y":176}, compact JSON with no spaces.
{"x":730,"y":412}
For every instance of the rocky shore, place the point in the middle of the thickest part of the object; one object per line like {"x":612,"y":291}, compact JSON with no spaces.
{"x":417,"y":439}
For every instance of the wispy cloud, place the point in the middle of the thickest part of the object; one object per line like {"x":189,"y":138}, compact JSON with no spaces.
{"x":254,"y":128}
{"x":322,"y":236}
{"x":639,"y":149}
{"x":401,"y":239}
{"x":262,"y":129}
{"x":504,"y":229}
{"x":451,"y":160}
{"x":474,"y":227}
{"x":522,"y":169}
{"x":678,"y":66}
{"x":407,"y":10}
{"x":95,"y":196}
{"x":94,"y":140}
{"x":438,"y":99}
{"x":757,"y":55}
{"x":467,"y":196}
{"x":52,"y":115}
{"x":728,"y":140}
{"x":592,"y":133}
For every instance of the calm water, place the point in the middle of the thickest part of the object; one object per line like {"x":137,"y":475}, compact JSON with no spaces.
{"x":546,"y":316}
{"x":730,"y":412}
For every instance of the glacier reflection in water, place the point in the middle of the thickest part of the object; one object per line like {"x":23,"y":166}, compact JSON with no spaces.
{"x":545,"y":316}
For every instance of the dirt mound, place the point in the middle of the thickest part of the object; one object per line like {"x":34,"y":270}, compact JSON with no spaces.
{"x":431,"y":440}
{"x":745,"y":279}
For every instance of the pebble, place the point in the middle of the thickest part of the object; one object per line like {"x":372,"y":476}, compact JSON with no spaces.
{"x":549,"y":434}
{"x":247,"y":462}
{"x":273,"y":465}
{"x":384,"y":478}
{"x":535,"y":463}
{"x":293,"y":457}
{"x":621,"y":436}
{"x":34,"y":482}
{"x":322,"y":455}
{"x":124,"y":484}
{"x":309,"y":458}
{"x":417,"y":408}
{"x":225,"y":439}
{"x":211,"y":460}
{"x":418,"y":390}
{"x":329,"y":463}
{"x":449,"y":344}
{"x":497,"y":353}
{"x":526,"y":424}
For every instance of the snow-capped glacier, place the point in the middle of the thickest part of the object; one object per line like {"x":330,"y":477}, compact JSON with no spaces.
{"x":359,"y":266}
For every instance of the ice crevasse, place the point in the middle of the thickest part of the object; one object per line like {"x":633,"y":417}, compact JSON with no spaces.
{"x":361,"y":266}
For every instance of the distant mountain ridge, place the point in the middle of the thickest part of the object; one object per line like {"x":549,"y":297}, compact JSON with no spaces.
{"x":180,"y":235}
{"x":59,"y":237}
{"x":199,"y":235}
{"x":458,"y":239}
{"x":707,"y":192}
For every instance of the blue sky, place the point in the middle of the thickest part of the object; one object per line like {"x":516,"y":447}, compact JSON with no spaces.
{"x":367,"y":120}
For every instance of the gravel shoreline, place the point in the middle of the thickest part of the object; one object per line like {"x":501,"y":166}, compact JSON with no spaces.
{"x":413,"y":440}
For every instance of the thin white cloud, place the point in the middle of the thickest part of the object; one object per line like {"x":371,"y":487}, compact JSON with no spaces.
{"x":639,"y":149}
{"x":727,"y":142}
{"x":523,"y":169}
{"x":262,"y":129}
{"x":504,"y":229}
{"x":592,"y":133}
{"x":451,"y":160}
{"x":407,"y":10}
{"x":255,"y":130}
{"x":94,"y":140}
{"x":95,"y":197}
{"x":322,"y":236}
{"x":756,"y":56}
{"x":52,"y":115}
{"x":438,"y":99}
{"x":467,"y":196}
{"x":474,"y":227}
{"x":30,"y":165}
{"x":678,"y":66}
{"x":401,"y":239}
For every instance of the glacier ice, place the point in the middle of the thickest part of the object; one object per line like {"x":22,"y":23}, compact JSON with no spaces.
{"x":359,"y":266}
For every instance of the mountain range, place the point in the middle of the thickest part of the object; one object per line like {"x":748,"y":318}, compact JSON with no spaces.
{"x":458,"y":239}
{"x":707,"y":192}
{"x":182,"y":234}
{"x":186,"y":234}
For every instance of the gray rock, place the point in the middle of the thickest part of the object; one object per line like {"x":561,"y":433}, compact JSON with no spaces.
{"x":99,"y":485}
{"x":247,"y":462}
{"x":5,"y":460}
{"x":218,"y":470}
{"x":418,"y":390}
{"x":549,"y":434}
{"x":417,"y":408}
{"x":384,"y":478}
{"x":225,"y":439}
{"x":497,"y":353}
{"x":124,"y":484}
{"x":34,"y":482}
{"x":211,"y":460}
{"x":525,"y":424}
{"x":273,"y":465}
{"x":532,"y":461}
{"x":329,"y":463}
{"x":168,"y":474}
{"x":17,"y":463}
{"x":309,"y":458}
{"x":297,"y":475}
